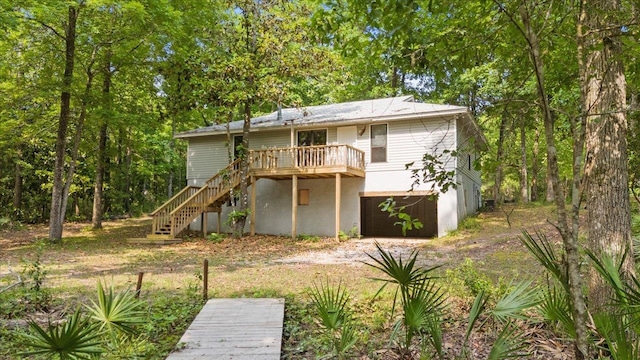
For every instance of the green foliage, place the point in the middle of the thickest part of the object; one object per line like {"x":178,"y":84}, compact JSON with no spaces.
{"x":7,"y":223}
{"x":618,"y":325}
{"x":404,"y":220}
{"x":354,"y":233}
{"x":421,"y":300}
{"x":510,"y":306}
{"x":555,"y":305}
{"x":331,"y":305}
{"x":468,"y":276}
{"x":298,"y":334}
{"x":309,"y":238}
{"x":237,"y":215}
{"x":77,"y":338}
{"x":169,"y":317}
{"x":470,"y":223}
{"x":118,"y":312}
{"x":543,"y":250}
{"x":35,"y":274}
{"x":635,"y":224}
{"x":510,"y":343}
{"x":434,"y":170}
{"x":216,"y":238}
{"x":556,"y":310}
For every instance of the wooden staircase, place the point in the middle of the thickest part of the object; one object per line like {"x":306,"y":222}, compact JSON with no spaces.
{"x":179,"y":211}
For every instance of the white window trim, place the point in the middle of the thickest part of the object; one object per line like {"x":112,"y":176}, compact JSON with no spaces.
{"x":386,"y":147}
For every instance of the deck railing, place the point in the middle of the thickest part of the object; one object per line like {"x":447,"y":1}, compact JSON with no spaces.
{"x":178,"y":212}
{"x":324,"y":156}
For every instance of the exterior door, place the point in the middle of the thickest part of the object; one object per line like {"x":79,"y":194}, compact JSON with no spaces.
{"x":348,"y":135}
{"x":376,"y":223}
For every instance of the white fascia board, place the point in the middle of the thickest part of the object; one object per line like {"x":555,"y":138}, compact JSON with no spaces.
{"x":358,"y":121}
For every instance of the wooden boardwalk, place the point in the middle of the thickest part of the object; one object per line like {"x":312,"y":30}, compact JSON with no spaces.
{"x":234,"y":329}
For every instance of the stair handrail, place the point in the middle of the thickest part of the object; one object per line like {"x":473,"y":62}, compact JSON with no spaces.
{"x":221,"y":182}
{"x":173,"y":198}
{"x":161,"y":215}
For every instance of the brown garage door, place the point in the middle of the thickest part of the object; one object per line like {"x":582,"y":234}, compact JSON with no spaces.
{"x":377,"y":223}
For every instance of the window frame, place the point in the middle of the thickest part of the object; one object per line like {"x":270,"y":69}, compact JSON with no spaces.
{"x":326,"y":136}
{"x":386,"y":143}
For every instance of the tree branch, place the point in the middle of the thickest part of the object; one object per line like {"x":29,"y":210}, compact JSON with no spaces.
{"x":47,"y":26}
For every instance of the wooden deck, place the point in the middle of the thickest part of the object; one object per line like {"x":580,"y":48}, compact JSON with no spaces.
{"x":310,"y":162}
{"x":234,"y":329}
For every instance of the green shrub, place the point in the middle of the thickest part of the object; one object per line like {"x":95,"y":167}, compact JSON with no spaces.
{"x":354,"y":233}
{"x":334,"y":318}
{"x":467,"y":276}
{"x":309,"y":238}
{"x":25,"y":292}
{"x":470,"y":223}
{"x":76,"y":338}
{"x":216,"y":238}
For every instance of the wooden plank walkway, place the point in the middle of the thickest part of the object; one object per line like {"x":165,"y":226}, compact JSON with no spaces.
{"x":235,"y":329}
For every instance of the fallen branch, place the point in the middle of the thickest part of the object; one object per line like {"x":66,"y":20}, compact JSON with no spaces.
{"x":19,"y":282}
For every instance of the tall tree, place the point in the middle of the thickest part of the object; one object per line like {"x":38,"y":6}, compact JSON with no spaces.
{"x":568,"y":233}
{"x":603,"y":93}
{"x":56,"y":218}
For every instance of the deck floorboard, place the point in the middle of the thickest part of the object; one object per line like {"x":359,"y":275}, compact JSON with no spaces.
{"x":234,"y":329}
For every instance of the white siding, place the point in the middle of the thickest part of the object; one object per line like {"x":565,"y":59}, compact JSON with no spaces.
{"x":468,"y":177}
{"x":205,"y":157}
{"x":208,"y":154}
{"x":407,"y":141}
{"x":273,"y":202}
{"x":269,"y":139}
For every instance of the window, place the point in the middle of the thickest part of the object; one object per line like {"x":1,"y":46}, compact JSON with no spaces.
{"x":312,"y":137}
{"x":379,"y":143}
{"x":303,"y":197}
{"x":237,"y":149}
{"x":237,"y":146}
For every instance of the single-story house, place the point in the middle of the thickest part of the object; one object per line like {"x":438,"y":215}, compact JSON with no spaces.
{"x":323,"y":169}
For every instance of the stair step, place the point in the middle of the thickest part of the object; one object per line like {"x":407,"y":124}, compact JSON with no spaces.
{"x":217,"y":197}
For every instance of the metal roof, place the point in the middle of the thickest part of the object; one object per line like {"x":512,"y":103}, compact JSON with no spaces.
{"x":365,"y":111}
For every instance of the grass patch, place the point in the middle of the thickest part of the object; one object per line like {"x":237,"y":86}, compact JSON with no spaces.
{"x":309,"y":238}
{"x":245,"y":267}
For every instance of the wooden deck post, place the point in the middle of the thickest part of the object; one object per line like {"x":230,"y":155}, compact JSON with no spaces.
{"x":253,"y":206}
{"x":203,"y":223}
{"x":219,"y":219}
{"x":294,"y":206}
{"x":338,"y":193}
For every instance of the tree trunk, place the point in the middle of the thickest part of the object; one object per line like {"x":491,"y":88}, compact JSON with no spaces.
{"x":535,"y":166}
{"x":569,"y":235}
{"x":128,"y":190}
{"x":171,"y":170}
{"x":96,"y":219}
{"x":239,"y":220}
{"x":17,"y":183}
{"x":79,"y":129}
{"x":550,"y":195}
{"x":497,"y":193}
{"x":524,"y":181}
{"x":56,"y":215}
{"x":606,"y":174}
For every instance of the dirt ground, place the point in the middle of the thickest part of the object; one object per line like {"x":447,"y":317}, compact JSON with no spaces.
{"x":266,"y":261}
{"x":263,"y":265}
